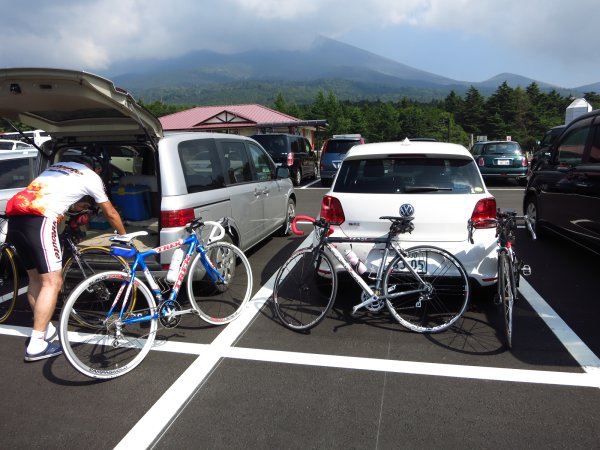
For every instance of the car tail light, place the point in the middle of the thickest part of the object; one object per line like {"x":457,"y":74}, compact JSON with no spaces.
{"x":524,"y":162}
{"x":290,"y":159}
{"x":332,"y":211}
{"x":484,"y":209}
{"x":481,"y":162}
{"x":178,"y":218}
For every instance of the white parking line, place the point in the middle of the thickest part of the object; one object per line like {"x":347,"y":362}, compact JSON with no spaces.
{"x":578,"y":350}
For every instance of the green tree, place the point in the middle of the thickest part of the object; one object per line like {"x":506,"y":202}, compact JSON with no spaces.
{"x":593,"y":99}
{"x":473,"y":113}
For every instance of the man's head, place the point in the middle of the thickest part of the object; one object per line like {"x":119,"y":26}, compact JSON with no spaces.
{"x":93,"y":162}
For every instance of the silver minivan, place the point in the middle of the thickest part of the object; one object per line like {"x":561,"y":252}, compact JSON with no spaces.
{"x":177,"y":176}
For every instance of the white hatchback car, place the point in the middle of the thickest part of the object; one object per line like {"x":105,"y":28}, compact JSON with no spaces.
{"x":440,"y":181}
{"x":9,"y":144}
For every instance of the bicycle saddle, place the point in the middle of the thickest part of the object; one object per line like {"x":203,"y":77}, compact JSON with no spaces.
{"x":126,"y":238}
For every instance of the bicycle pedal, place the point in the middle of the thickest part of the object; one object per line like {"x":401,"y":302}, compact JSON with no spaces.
{"x":525,"y":270}
{"x":497,"y":300}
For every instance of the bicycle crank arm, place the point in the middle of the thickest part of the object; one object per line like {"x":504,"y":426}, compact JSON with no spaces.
{"x":368,"y":301}
{"x":182,"y":312}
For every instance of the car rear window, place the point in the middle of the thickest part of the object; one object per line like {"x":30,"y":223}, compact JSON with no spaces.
{"x":274,"y":144}
{"x":503,"y":148}
{"x":406,"y":175}
{"x":340,"y":145}
{"x":6,"y":145}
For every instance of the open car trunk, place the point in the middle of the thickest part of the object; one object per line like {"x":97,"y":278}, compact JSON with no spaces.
{"x":86,"y":114}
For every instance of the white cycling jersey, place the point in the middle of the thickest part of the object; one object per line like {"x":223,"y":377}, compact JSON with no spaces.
{"x":57,"y":188}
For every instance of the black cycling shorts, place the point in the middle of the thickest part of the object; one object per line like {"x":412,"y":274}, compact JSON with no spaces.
{"x":36,"y":241}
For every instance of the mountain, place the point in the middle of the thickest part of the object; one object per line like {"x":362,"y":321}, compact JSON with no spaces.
{"x":205,"y":77}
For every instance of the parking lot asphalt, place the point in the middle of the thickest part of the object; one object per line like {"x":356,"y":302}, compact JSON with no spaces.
{"x":353,"y":382}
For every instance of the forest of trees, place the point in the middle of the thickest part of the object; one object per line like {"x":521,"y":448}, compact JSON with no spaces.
{"x":523,"y":114}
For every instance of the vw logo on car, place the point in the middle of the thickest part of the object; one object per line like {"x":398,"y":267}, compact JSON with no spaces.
{"x":407,"y":210}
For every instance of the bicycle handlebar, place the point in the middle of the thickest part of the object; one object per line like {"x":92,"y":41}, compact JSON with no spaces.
{"x":295,"y":230}
{"x":217,"y":227}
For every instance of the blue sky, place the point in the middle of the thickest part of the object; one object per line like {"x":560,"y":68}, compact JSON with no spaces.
{"x":467,"y":40}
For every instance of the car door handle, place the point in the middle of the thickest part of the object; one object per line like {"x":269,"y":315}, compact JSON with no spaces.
{"x":259,"y":192}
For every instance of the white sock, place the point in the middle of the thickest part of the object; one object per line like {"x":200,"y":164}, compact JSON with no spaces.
{"x":50,"y":330}
{"x":37,"y":344}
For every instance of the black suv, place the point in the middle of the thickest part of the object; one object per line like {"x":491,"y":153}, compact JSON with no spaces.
{"x":543,"y":147}
{"x":563,"y":191}
{"x":291,"y":151}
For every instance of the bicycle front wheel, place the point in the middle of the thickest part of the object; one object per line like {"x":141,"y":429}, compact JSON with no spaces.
{"x":9,"y":282}
{"x":438,"y":302}
{"x":506,"y":293}
{"x":220,"y":301}
{"x":101,"y":343}
{"x":305,"y":289}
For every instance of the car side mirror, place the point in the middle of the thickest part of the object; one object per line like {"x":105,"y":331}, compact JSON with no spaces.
{"x":282,"y":172}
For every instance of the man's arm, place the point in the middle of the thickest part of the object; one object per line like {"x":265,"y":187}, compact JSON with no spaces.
{"x":112,"y":216}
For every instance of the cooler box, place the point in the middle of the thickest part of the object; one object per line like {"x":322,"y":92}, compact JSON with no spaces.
{"x":133,"y":201}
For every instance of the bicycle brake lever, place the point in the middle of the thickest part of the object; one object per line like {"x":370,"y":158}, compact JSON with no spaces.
{"x":470,"y":228}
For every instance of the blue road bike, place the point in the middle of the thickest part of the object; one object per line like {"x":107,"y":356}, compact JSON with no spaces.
{"x":103,"y":337}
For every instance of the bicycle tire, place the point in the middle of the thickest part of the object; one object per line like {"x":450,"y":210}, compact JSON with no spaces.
{"x":91,"y":260}
{"x":305,"y":289}
{"x":9,"y":282}
{"x":506,"y":294}
{"x":437,"y":310}
{"x":218,"y":303}
{"x":103,"y":348}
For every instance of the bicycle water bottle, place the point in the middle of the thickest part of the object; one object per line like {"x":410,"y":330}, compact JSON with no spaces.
{"x":356,"y":263}
{"x":174,"y":266}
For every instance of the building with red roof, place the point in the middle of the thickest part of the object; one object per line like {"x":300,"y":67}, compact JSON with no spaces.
{"x":244,"y":120}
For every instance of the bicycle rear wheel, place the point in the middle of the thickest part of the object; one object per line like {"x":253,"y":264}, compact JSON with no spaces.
{"x":305,"y":289}
{"x":216,"y":302}
{"x":99,"y":344}
{"x":88,"y":262}
{"x":9,"y":282}
{"x":442,"y":303}
{"x":506,"y":293}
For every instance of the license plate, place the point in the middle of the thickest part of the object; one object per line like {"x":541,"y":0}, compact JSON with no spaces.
{"x":417,"y":261}
{"x":504,"y":162}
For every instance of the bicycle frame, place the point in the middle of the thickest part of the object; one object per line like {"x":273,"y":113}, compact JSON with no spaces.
{"x":373,"y":294}
{"x":193,"y":245}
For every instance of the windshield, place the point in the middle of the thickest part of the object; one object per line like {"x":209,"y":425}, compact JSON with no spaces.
{"x":418,"y":174}
{"x":6,"y":145}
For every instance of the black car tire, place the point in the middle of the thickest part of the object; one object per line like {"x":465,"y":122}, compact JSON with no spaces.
{"x":532,"y":211}
{"x":297,"y":177}
{"x":290,"y":213}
